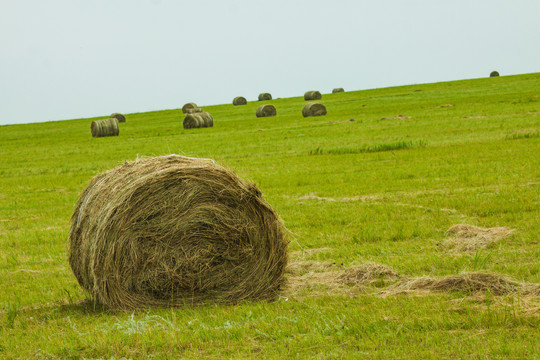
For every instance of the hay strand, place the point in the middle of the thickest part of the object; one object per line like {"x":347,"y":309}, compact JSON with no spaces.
{"x":121,"y":118}
{"x":337,"y":90}
{"x":494,"y":74}
{"x":266,"y":110}
{"x":189,"y":106}
{"x":312,"y":95}
{"x":107,"y":127}
{"x":239,"y":100}
{"x":265,"y":97}
{"x":174,"y":231}
{"x":313,"y":109}
{"x":198,"y":120}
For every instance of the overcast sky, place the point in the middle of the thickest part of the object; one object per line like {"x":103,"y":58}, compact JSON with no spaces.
{"x":64,"y":59}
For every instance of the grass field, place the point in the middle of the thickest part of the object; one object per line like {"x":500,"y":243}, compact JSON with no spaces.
{"x":382,"y":189}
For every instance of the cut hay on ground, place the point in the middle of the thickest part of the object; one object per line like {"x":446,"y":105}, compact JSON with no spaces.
{"x":121,"y":118}
{"x":198,"y":120}
{"x":174,"y":231}
{"x":313,"y":109}
{"x":266,"y":110}
{"x":468,"y":282}
{"x":265,"y":97}
{"x":368,"y":274}
{"x":463,"y":237}
{"x":337,"y":90}
{"x":188,"y":106}
{"x":107,"y":127}
{"x":312,"y":95}
{"x":239,"y":100}
{"x":494,"y":73}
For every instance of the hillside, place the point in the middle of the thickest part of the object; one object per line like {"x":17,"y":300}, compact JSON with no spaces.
{"x":379,"y":192}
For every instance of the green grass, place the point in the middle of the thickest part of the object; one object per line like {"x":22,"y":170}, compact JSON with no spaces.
{"x":384,"y":189}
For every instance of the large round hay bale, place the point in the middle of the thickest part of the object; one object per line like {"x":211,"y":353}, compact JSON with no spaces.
{"x":337,"y":90}
{"x":494,"y":73}
{"x":188,"y":106}
{"x":239,"y":100}
{"x":198,"y":120}
{"x":121,"y":118}
{"x":266,"y":110}
{"x":174,"y":231}
{"x":107,"y":127}
{"x":313,"y":109}
{"x":265,"y":96}
{"x":312,"y":95}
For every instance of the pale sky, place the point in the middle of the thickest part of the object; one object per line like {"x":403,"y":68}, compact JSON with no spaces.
{"x":65,"y":59}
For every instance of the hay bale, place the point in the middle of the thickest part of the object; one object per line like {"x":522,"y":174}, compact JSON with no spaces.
{"x":107,"y":127}
{"x":174,"y":231}
{"x":189,"y":106}
{"x":193,"y":110}
{"x":312,"y":95}
{"x":313,"y":109}
{"x":239,"y":100}
{"x":337,"y":90}
{"x":265,"y":96}
{"x":266,"y":110}
{"x":121,"y":118}
{"x":494,"y":73}
{"x":198,"y":120}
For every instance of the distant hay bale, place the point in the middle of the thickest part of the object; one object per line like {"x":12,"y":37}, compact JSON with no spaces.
{"x":337,"y":90}
{"x":193,"y":110}
{"x":313,"y":109}
{"x":265,"y":96}
{"x":198,"y":120}
{"x":239,"y":100}
{"x":175,"y":231}
{"x":121,"y":118}
{"x":312,"y":95}
{"x":107,"y":127}
{"x":188,"y":106}
{"x":494,"y":73}
{"x":266,"y":110}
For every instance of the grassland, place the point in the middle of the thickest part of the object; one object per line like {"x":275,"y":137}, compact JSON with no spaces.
{"x":382,"y":189}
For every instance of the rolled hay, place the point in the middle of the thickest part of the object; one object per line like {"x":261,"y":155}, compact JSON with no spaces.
{"x":239,"y":100}
{"x":189,"y":106}
{"x":312,"y":95}
{"x":198,"y":120}
{"x":174,"y":231}
{"x":107,"y":127}
{"x":337,"y":90}
{"x":121,"y":118}
{"x":494,"y":73}
{"x":193,"y":110}
{"x":266,"y":110}
{"x":313,"y":109}
{"x":265,"y":96}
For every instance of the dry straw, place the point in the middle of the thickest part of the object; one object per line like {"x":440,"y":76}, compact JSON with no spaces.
{"x":198,"y":120}
{"x":174,"y":231}
{"x":121,"y":118}
{"x":494,"y":73}
{"x":313,"y":109}
{"x":265,"y":96}
{"x":312,"y":95}
{"x":193,"y":110}
{"x":337,"y":90}
{"x":239,"y":100}
{"x":266,"y":110}
{"x":107,"y":127}
{"x":188,"y":106}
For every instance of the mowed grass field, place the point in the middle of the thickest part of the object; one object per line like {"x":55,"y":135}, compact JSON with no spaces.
{"x":380,"y":190}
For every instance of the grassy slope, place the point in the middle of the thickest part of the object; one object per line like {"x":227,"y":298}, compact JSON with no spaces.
{"x":475,"y":162}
